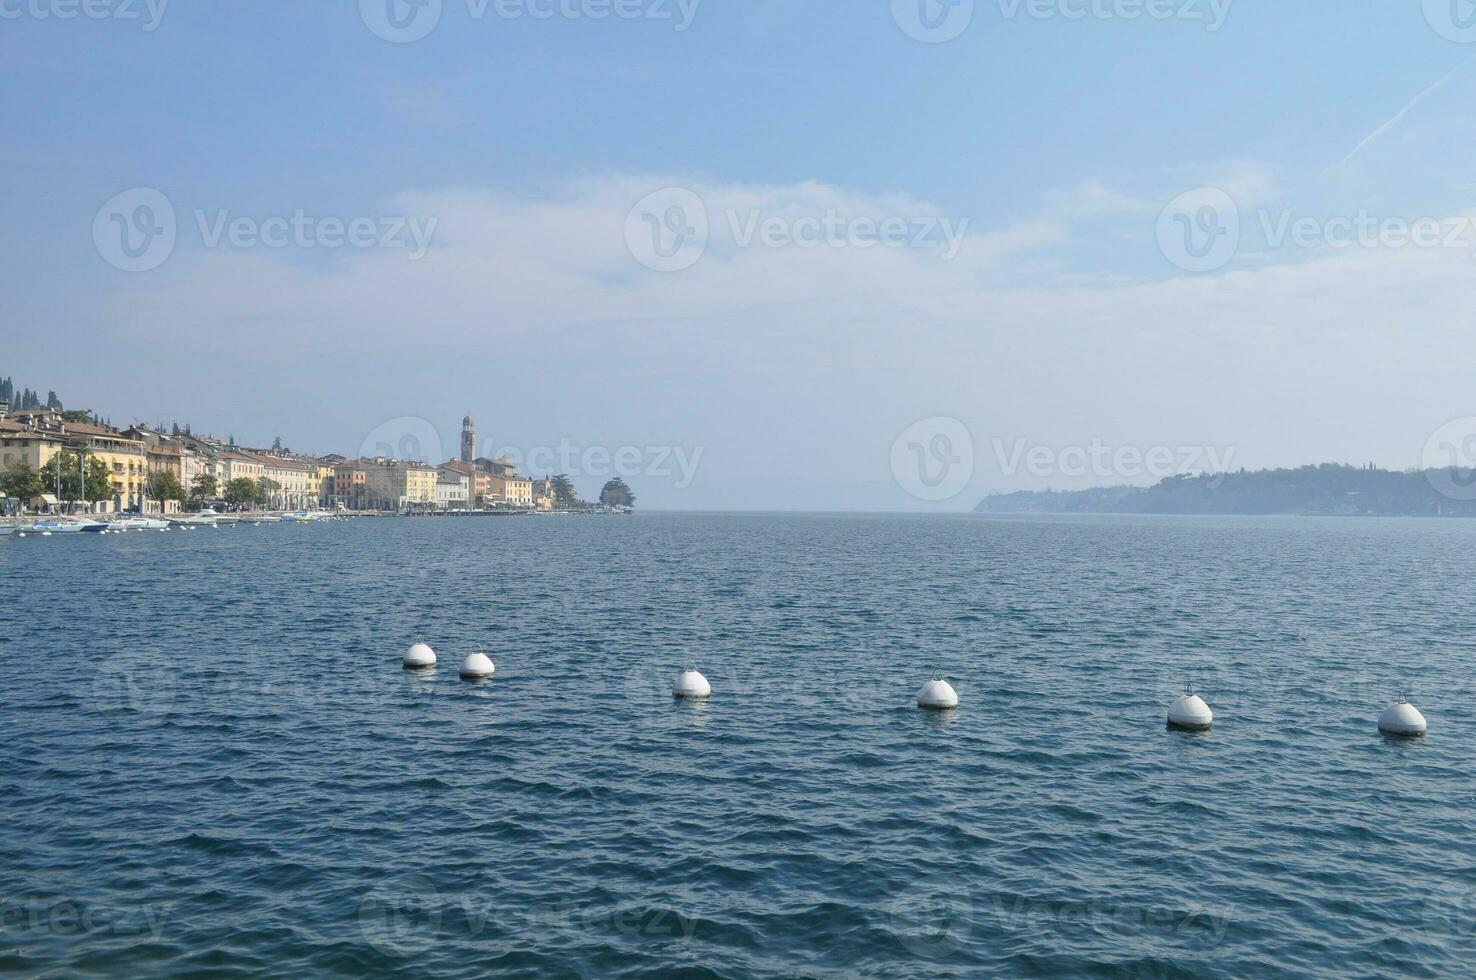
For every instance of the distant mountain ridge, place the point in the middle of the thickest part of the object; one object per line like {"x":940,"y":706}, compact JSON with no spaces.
{"x":1328,"y":489}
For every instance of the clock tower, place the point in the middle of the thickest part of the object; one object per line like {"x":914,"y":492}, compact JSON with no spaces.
{"x":468,"y":439}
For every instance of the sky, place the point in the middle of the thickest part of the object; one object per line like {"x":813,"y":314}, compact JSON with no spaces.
{"x":814,"y":254}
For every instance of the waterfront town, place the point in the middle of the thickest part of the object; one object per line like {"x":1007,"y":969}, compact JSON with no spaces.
{"x":140,"y":469}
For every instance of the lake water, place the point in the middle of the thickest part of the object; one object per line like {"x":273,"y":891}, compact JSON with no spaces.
{"x":216,"y":766}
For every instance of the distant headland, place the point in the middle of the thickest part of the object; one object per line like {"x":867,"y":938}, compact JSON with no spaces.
{"x":1329,"y":489}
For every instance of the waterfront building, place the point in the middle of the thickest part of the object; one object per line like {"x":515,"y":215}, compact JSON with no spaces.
{"x":453,"y":489}
{"x":35,"y":437}
{"x":349,"y":485}
{"x":232,"y":464}
{"x":543,"y":494}
{"x":511,"y":490}
{"x":385,"y":484}
{"x":477,"y":484}
{"x":296,"y":481}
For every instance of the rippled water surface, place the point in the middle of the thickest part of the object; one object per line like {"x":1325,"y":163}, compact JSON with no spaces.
{"x":215,"y":764}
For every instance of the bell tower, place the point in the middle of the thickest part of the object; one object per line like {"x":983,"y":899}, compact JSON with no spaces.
{"x":468,"y":439}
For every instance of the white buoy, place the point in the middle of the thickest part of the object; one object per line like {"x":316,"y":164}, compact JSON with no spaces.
{"x":1190,"y":713}
{"x":419,"y":657}
{"x":690,"y":684}
{"x":476,"y":667}
{"x":937,"y":694}
{"x":1402,"y":718}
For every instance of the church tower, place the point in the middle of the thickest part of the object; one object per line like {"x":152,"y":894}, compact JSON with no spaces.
{"x":468,"y":440}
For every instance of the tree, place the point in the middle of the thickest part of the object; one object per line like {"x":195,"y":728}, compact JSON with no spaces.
{"x":66,"y":465}
{"x":563,"y":490}
{"x":163,"y":485}
{"x":204,"y":487}
{"x":617,"y":494}
{"x":265,"y":487}
{"x":21,"y":481}
{"x":241,"y":490}
{"x":277,"y":444}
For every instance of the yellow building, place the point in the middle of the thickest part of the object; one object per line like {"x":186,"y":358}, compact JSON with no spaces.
{"x":34,"y":438}
{"x":385,"y":484}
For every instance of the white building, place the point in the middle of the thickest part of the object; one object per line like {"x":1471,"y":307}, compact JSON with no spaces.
{"x":453,"y":490}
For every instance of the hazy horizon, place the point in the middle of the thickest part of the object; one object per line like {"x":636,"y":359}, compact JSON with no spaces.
{"x":830,"y":257}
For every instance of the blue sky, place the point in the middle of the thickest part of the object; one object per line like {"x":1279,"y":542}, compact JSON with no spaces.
{"x":1056,"y":142}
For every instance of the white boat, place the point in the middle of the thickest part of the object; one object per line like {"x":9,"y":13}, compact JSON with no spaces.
{"x":228,"y":518}
{"x":206,"y":517}
{"x":66,"y":527}
{"x":145,"y":524}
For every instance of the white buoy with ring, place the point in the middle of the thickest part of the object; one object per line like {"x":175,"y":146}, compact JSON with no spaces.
{"x":1190,"y":713}
{"x":419,"y":657}
{"x":691,"y":685}
{"x":477,"y":667}
{"x":937,"y":694}
{"x":1403,"y":719}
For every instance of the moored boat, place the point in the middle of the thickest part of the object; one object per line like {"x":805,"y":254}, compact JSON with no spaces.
{"x":206,"y":517}
{"x":66,"y":527}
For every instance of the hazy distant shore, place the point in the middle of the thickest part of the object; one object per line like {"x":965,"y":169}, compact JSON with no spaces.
{"x":1328,"y":490}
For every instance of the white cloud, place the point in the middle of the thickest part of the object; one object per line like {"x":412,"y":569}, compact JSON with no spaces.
{"x":813,"y":358}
